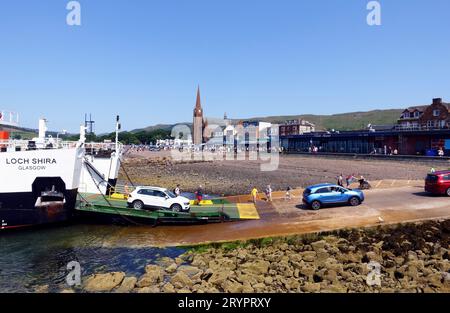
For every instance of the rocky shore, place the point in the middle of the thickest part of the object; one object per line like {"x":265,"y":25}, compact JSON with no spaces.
{"x":411,"y":258}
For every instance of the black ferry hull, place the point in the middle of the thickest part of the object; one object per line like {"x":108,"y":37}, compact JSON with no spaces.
{"x":18,"y":210}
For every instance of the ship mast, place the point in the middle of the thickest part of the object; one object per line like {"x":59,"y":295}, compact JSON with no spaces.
{"x":117,"y":132}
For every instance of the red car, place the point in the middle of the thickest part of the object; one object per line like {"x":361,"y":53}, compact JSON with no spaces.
{"x":438,"y":183}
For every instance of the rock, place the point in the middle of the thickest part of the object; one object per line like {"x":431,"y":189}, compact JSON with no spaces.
{"x":168,"y":288}
{"x":181,"y":279}
{"x":268,"y":280}
{"x":308,"y":256}
{"x":335,"y":288}
{"x":218,"y":278}
{"x":67,"y":291}
{"x":184,"y":290}
{"x":41,"y":289}
{"x":152,"y":289}
{"x":256,"y":267}
{"x":330,"y":275}
{"x":310,"y":287}
{"x":318,"y":245}
{"x":322,"y":256}
{"x":247,"y":288}
{"x":259,"y":287}
{"x":232,"y":287}
{"x":179,"y":261}
{"x":164,"y":261}
{"x":171,"y":268}
{"x":435,"y":280}
{"x":103,"y":282}
{"x":412,"y":256}
{"x":153,"y":275}
{"x":373,"y":256}
{"x":127,"y":285}
{"x":198,"y":261}
{"x":189,"y":270}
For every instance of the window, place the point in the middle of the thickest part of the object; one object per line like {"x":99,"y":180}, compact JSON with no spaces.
{"x":436,"y":112}
{"x":446,"y":177}
{"x":416,"y":114}
{"x":158,"y":193}
{"x":147,"y":192}
{"x":323,"y":190}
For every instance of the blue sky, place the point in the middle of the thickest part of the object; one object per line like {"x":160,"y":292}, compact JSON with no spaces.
{"x":144,"y":59}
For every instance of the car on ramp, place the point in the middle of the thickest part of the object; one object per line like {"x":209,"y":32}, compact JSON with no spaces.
{"x":318,"y":196}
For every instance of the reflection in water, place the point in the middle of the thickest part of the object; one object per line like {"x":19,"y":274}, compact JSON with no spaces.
{"x":40,"y":256}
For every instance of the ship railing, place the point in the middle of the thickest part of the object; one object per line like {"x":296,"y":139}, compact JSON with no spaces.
{"x":53,"y":143}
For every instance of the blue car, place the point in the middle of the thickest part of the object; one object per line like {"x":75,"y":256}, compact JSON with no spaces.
{"x":321,"y":195}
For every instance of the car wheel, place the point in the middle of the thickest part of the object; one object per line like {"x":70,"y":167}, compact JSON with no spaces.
{"x":315,"y":205}
{"x":448,"y":192}
{"x":354,"y":201}
{"x":176,"y":208}
{"x":138,"y":205}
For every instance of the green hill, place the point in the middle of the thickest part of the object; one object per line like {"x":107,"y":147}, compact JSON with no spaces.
{"x":343,"y":121}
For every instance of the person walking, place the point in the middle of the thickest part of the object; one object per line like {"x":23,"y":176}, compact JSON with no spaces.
{"x":199,"y":194}
{"x":177,"y":191}
{"x":350,"y":179}
{"x":340,"y":180}
{"x":254,"y":194}
{"x":288,"y":193}
{"x":269,"y":193}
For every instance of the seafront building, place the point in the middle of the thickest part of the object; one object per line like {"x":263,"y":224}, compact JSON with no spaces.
{"x":423,"y":130}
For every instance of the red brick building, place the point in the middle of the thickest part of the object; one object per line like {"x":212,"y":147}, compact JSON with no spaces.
{"x":434,"y":116}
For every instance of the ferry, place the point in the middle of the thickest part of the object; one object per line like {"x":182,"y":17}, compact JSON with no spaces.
{"x":40,"y":178}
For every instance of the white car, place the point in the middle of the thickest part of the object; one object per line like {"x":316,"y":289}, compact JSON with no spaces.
{"x":157,"y":198}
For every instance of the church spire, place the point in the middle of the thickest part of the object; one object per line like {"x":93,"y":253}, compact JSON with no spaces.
{"x":198,"y":104}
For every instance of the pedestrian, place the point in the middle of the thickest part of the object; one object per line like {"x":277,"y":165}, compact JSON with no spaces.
{"x":340,"y":180}
{"x":177,"y":191}
{"x":432,"y":170}
{"x":254,"y":194}
{"x":199,"y":194}
{"x":349,"y":179}
{"x":269,"y":193}
{"x":441,"y":152}
{"x":288,"y":193}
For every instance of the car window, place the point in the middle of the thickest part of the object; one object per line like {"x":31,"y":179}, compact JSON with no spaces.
{"x":158,"y":193}
{"x":446,"y":177}
{"x":171,"y":194}
{"x":432,"y":178}
{"x":323,"y":190}
{"x":145,"y":192}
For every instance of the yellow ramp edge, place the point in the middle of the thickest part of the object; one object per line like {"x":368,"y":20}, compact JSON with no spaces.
{"x":203,"y":202}
{"x":247,"y":211}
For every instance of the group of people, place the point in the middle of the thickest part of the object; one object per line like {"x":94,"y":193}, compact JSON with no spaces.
{"x":349,"y":179}
{"x":268,"y":193}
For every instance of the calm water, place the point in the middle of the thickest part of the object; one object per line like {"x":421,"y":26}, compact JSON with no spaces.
{"x":39,"y":257}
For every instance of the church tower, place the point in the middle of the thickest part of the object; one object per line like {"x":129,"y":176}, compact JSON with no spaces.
{"x":197,"y":124}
